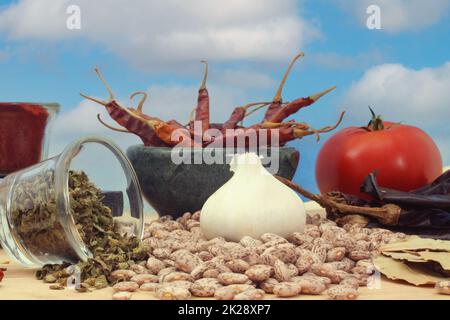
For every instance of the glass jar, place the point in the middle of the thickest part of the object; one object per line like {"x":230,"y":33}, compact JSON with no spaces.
{"x":37,"y":225}
{"x":24,"y":133}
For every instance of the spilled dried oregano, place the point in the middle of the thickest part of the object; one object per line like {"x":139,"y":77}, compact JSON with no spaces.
{"x":111,"y":249}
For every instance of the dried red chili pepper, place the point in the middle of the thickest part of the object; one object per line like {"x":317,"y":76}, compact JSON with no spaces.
{"x":150,"y":140}
{"x":162,"y":131}
{"x":299,"y":129}
{"x":235,"y":137}
{"x":278,"y":111}
{"x":1,"y":274}
{"x":217,"y":126}
{"x":172,"y":135}
{"x":175,"y":124}
{"x":277,"y":99}
{"x":239,"y":113}
{"x":202,"y":109}
{"x":283,"y":132}
{"x":155,"y":132}
{"x":129,"y":118}
{"x":292,"y":107}
{"x":152,"y":131}
{"x":155,"y":128}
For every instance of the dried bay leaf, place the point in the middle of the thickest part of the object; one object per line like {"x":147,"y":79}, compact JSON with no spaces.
{"x":416,"y":243}
{"x":411,"y":273}
{"x":443,"y":258}
{"x":435,"y":261}
{"x":408,"y":256}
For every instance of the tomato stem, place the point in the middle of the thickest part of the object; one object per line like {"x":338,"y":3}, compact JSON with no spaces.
{"x":376,"y":123}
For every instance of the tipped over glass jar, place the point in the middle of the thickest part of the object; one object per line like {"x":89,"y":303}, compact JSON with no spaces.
{"x":54,"y":211}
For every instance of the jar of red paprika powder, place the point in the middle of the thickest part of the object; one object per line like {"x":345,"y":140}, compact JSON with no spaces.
{"x":24,"y":134}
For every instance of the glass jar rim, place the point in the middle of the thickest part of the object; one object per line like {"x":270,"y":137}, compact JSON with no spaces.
{"x":62,"y":190}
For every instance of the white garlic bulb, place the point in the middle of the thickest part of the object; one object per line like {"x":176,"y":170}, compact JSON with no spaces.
{"x":252,"y":203}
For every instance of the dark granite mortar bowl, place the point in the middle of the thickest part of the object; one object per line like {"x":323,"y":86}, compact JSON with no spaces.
{"x":173,"y":189}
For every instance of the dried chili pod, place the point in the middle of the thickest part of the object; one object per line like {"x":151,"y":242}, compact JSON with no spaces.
{"x":277,"y":111}
{"x":150,"y":138}
{"x":276,"y":104}
{"x":422,"y":212}
{"x":414,"y":213}
{"x":262,"y":134}
{"x":294,"y":106}
{"x":151,"y":130}
{"x":435,"y":196}
{"x":441,"y":185}
{"x":239,"y":113}
{"x":202,"y":109}
{"x":131,"y":119}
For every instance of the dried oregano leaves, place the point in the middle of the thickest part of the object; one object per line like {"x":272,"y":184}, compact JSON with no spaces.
{"x":35,"y":219}
{"x":111,"y":250}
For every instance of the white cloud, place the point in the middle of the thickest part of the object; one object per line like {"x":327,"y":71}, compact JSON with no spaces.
{"x":422,"y":96}
{"x":400,"y":15}
{"x":417,"y":97}
{"x":151,"y":33}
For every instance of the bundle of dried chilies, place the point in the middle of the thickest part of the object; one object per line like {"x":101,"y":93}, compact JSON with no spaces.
{"x":156,"y":132}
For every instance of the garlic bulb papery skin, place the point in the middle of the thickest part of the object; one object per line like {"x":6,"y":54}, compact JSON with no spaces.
{"x":251,"y":203}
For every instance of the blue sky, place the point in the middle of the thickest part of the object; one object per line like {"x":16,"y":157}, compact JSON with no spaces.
{"x":402,"y":70}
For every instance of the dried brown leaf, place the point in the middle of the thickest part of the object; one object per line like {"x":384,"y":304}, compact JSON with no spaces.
{"x":416,"y":243}
{"x":443,"y":258}
{"x":411,"y":257}
{"x":411,"y":273}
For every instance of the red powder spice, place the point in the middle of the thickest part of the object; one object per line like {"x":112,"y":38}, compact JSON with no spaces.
{"x":22,"y":134}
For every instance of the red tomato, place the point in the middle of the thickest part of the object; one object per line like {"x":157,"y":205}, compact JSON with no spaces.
{"x":405,"y":158}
